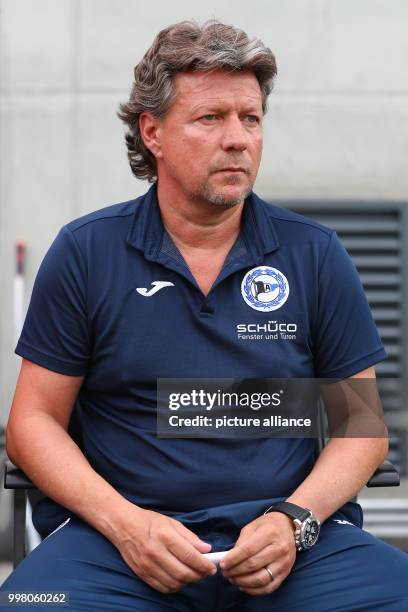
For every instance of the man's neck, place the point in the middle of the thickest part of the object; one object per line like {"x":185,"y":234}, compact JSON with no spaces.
{"x":198,"y":225}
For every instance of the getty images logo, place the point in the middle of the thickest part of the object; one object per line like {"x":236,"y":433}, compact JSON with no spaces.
{"x":157,"y":285}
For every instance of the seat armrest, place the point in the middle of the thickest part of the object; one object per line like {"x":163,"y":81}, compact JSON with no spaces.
{"x":386,"y":475}
{"x":14,"y":478}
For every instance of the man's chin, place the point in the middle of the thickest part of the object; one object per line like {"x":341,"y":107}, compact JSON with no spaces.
{"x":227,"y":196}
{"x":231,"y":199}
{"x":227,"y":202}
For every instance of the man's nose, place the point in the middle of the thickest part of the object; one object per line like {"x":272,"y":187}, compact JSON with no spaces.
{"x":234,"y":135}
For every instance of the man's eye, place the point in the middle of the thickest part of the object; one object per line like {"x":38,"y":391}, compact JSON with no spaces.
{"x":252,"y":118}
{"x":209,"y":117}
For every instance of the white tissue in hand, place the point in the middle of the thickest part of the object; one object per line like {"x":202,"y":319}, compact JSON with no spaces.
{"x":215,"y":557}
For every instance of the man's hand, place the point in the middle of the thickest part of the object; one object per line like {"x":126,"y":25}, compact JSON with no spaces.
{"x":268,"y":541}
{"x":162,"y":551}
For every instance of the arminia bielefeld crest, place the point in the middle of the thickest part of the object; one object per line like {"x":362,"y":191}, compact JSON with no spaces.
{"x":265,"y":288}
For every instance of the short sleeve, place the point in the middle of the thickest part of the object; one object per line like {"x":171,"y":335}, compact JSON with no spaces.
{"x":55,"y":334}
{"x":346,"y":338}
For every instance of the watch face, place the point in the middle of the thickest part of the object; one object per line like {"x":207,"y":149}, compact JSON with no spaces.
{"x":309,"y":533}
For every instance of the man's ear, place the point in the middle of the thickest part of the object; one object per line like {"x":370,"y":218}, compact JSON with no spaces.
{"x":149,"y":126}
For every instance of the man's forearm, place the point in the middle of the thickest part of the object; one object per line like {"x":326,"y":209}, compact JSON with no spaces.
{"x":49,"y":456}
{"x":341,"y":471}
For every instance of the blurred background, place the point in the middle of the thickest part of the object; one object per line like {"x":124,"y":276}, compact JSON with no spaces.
{"x":336,"y":148}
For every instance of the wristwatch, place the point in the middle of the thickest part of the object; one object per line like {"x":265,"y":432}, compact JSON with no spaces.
{"x":307,"y":526}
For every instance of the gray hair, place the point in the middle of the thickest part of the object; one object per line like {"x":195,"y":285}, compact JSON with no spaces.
{"x":183,"y":47}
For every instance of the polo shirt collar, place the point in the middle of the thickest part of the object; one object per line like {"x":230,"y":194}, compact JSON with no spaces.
{"x":147,"y":229}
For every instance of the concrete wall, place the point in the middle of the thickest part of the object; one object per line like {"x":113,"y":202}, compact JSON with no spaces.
{"x":337,"y":125}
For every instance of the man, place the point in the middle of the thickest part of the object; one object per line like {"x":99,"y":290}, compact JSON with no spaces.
{"x":157,"y":288}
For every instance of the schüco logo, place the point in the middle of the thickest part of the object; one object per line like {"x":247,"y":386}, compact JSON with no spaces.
{"x":270,"y":327}
{"x":271,"y":330}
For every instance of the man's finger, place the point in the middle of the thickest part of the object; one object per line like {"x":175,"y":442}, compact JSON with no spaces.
{"x":249,"y":547}
{"x":258,"y":579}
{"x":185,"y":552}
{"x":260,"y":591}
{"x":252,"y":540}
{"x":193,"y":538}
{"x":253,"y":563}
{"x":173,"y":573}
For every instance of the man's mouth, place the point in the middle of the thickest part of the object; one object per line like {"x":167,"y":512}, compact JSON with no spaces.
{"x":232,"y":169}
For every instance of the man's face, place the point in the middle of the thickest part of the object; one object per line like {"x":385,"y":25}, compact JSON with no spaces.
{"x":210,"y":141}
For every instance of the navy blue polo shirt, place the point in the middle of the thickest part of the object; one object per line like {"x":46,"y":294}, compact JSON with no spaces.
{"x":115,"y":302}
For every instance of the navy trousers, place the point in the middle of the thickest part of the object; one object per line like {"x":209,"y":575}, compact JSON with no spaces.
{"x":348,"y":570}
